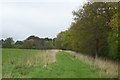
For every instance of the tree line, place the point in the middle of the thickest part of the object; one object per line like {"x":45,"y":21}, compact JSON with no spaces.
{"x":94,"y":31}
{"x":32,"y":42}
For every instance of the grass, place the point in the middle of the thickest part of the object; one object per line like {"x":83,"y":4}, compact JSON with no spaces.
{"x":106,"y":66}
{"x":18,"y":63}
{"x":15,"y":62}
{"x":66,"y":66}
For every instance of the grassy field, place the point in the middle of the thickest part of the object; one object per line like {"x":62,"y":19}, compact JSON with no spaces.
{"x":21,"y":63}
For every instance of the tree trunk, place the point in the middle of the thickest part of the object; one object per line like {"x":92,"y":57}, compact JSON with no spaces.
{"x":96,"y":47}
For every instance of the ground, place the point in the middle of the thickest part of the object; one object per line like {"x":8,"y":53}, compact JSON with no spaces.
{"x":21,"y":63}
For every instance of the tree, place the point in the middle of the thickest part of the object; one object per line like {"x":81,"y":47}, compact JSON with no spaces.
{"x":113,"y":37}
{"x":90,"y":31}
{"x":29,"y":44}
{"x":19,"y":44}
{"x":8,"y":43}
{"x":1,"y":41}
{"x":35,"y":42}
{"x":48,"y":45}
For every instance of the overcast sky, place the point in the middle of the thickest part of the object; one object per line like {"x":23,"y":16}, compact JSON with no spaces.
{"x":43,"y":18}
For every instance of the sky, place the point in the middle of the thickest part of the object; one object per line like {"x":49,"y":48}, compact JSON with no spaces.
{"x":43,"y":18}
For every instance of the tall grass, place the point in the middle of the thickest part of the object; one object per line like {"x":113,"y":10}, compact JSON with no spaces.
{"x":19,"y":63}
{"x":106,"y":66}
{"x":47,"y":57}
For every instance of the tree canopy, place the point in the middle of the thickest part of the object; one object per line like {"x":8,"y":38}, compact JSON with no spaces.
{"x":94,"y":30}
{"x":32,"y":42}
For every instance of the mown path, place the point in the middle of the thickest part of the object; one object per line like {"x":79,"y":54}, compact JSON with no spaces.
{"x":66,"y":66}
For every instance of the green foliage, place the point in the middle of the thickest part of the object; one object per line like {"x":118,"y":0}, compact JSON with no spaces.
{"x":113,"y":37}
{"x":19,"y":44}
{"x":29,"y":44}
{"x":8,"y":43}
{"x":32,"y":42}
{"x":41,"y":43}
{"x":94,"y":30}
{"x":48,"y":45}
{"x":62,"y":41}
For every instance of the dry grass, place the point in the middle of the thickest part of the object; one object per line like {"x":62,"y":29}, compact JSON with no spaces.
{"x":107,"y":67}
{"x":43,"y":58}
{"x":47,"y":57}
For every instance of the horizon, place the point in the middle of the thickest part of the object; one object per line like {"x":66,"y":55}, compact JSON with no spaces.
{"x":27,"y":37}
